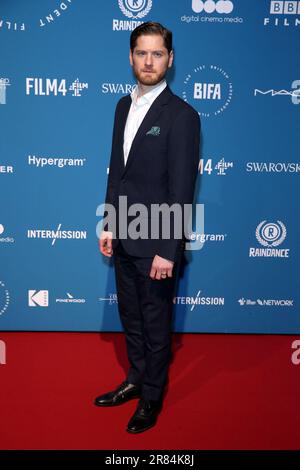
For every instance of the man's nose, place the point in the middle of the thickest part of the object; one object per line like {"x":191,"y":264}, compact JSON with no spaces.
{"x":149,"y":60}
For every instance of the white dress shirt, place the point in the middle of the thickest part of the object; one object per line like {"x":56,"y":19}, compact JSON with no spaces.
{"x":138,"y":109}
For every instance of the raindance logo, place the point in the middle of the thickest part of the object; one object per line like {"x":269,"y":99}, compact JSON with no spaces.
{"x":270,"y":235}
{"x":209,"y":89}
{"x":38,"y":298}
{"x":283,"y":13}
{"x":48,"y":86}
{"x":135,"y":10}
{"x":4,"y":298}
{"x":55,"y":234}
{"x":293,"y":93}
{"x":42,"y":17}
{"x":4,"y":82}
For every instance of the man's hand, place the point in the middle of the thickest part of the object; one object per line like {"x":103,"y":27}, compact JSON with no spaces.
{"x":161,"y":268}
{"x":105,"y":243}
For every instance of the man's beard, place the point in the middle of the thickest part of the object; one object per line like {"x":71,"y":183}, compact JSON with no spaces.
{"x":150,"y":79}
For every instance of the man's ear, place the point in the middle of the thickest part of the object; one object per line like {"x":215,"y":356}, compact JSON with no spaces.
{"x":171,"y":58}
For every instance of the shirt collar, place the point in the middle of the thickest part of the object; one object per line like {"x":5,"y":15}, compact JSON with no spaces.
{"x":150,"y":96}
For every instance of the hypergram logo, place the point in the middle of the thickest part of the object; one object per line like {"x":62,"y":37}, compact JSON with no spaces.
{"x":209,"y":89}
{"x":38,"y":298}
{"x":4,"y":298}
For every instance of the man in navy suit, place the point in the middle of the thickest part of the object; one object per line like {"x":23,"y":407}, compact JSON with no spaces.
{"x":154,"y":162}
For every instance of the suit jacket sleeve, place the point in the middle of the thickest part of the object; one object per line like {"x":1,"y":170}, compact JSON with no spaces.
{"x":183,"y":160}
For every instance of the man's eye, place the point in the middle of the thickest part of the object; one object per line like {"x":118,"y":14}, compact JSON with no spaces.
{"x":140,"y":53}
{"x":157,"y":54}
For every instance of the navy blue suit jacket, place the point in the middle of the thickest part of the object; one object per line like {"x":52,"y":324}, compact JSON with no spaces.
{"x":160,"y":168}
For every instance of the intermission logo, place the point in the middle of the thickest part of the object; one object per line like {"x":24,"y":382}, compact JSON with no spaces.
{"x":293,"y":93}
{"x":111,"y":299}
{"x":38,"y":298}
{"x":273,"y":167}
{"x":57,"y":162}
{"x":220,"y":168}
{"x":212,"y":12}
{"x":70,"y":300}
{"x":135,"y":10}
{"x":266,"y":302}
{"x":6,"y":238}
{"x":199,"y":300}
{"x":270,"y":235}
{"x":57,"y":234}
{"x":117,"y":88}
{"x":4,"y":83}
{"x":283,"y":14}
{"x":29,"y":18}
{"x":4,"y":298}
{"x":208,"y":89}
{"x":53,"y":87}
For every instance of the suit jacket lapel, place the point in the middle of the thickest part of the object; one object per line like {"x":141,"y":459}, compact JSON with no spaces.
{"x":148,"y":121}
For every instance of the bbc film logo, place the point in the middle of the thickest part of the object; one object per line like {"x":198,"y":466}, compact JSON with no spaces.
{"x":283,"y":15}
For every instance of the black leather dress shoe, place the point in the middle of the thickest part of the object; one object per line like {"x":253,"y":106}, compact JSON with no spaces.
{"x":145,"y":416}
{"x":121,"y":394}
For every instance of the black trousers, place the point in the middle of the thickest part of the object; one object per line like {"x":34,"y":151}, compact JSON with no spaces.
{"x":145,"y":308}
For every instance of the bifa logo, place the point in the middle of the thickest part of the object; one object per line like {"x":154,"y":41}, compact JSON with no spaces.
{"x":53,"y":87}
{"x":209,"y":89}
{"x":2,"y":352}
{"x":295,"y":358}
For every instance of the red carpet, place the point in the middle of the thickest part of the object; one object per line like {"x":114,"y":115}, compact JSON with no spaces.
{"x":225,"y":392}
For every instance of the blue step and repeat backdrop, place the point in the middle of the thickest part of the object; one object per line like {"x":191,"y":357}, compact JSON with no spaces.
{"x":63,"y":67}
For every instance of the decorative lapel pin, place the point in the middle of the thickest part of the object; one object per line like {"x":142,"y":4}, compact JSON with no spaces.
{"x":155,"y":130}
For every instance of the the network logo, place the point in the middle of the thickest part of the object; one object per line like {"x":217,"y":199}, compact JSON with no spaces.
{"x":270,"y":235}
{"x":38,"y":298}
{"x":266,"y":302}
{"x":4,"y":83}
{"x":221,"y":6}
